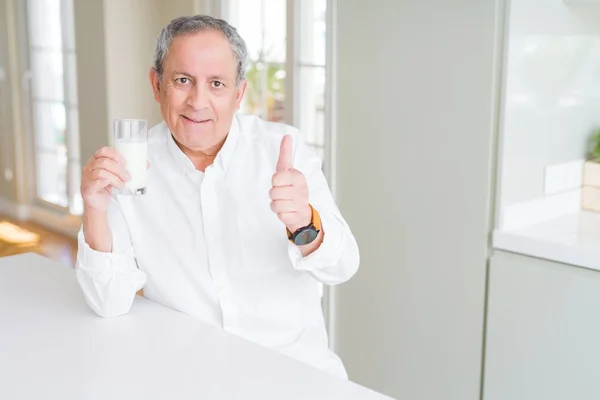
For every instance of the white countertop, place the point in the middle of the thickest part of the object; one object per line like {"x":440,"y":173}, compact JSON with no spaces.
{"x":53,"y":347}
{"x":571,"y":239}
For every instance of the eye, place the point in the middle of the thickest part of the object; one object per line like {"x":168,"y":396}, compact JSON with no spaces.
{"x":183,"y":80}
{"x":217,"y":84}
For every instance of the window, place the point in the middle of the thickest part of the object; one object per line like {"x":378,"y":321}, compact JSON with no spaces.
{"x":286,"y":42}
{"x":53,"y":111}
{"x":310,"y":66}
{"x":262,"y":25}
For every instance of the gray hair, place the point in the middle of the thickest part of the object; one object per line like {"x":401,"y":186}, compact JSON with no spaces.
{"x":196,"y":23}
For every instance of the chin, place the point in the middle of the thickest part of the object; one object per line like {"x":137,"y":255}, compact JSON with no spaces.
{"x":197,"y":142}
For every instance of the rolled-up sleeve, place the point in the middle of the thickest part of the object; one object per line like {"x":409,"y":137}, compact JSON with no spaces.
{"x":337,"y":258}
{"x":109,"y":281}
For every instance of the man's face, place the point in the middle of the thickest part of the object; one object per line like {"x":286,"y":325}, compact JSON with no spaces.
{"x":197,"y":92}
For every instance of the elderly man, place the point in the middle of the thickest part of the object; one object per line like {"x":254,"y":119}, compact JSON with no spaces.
{"x":238,"y":226}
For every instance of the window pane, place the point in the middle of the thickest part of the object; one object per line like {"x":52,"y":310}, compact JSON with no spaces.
{"x":49,"y":125}
{"x":47,"y":70}
{"x":313,"y":32}
{"x":312,"y":105}
{"x":265,"y":93}
{"x":54,"y":106}
{"x":261,"y":23}
{"x":45,"y":23}
{"x":52,"y":176}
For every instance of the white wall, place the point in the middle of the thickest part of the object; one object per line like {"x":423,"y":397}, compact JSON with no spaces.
{"x":552,"y":92}
{"x":176,"y":8}
{"x":131,"y":28}
{"x":90,"y":43}
{"x":7,"y":145}
{"x":415,"y":119}
{"x":12,"y":117}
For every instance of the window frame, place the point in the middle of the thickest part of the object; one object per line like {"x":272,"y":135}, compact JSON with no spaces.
{"x":70,"y":105}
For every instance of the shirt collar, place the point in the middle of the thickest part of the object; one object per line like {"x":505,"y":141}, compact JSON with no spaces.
{"x":222,"y":158}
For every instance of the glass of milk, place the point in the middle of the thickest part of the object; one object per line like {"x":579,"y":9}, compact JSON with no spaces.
{"x":131,"y":141}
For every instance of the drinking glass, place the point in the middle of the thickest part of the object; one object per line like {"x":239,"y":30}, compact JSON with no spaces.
{"x":131,"y":141}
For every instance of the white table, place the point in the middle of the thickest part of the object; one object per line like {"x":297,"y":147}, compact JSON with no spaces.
{"x":53,"y":347}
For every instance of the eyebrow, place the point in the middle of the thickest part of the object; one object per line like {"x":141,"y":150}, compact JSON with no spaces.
{"x":210,"y":78}
{"x":217,"y":77}
{"x":183,"y":73}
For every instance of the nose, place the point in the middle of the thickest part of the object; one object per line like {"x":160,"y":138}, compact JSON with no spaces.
{"x":198,"y":97}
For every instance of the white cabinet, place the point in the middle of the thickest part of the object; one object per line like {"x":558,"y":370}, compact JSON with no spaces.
{"x":543,"y":330}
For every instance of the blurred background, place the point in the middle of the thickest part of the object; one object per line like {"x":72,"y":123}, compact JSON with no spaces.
{"x":457,"y":137}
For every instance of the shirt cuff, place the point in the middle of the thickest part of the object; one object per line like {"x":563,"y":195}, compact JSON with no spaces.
{"x":91,"y":259}
{"x":329,"y":252}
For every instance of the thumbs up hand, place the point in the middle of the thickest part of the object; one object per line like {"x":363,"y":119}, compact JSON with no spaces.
{"x":289,"y":194}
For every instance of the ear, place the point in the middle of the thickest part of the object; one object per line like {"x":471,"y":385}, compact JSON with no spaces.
{"x":155,"y":82}
{"x":239,"y":96}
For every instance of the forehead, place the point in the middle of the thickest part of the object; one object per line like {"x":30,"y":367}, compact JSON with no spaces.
{"x":200,"y":53}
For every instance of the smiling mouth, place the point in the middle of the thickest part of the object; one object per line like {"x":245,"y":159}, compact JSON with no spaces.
{"x":196,"y":121}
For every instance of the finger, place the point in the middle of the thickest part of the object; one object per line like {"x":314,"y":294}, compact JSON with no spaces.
{"x":283,"y":178}
{"x":102,"y":174}
{"x":289,"y":177}
{"x":284,"y":206}
{"x":284,"y":193}
{"x":109,"y":152}
{"x":111,"y":166}
{"x":290,"y":218}
{"x":298,"y":178}
{"x":96,"y":185}
{"x":285,"y":153}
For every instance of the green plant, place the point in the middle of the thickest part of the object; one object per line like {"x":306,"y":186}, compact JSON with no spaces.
{"x":596,"y":144}
{"x":264,"y":80}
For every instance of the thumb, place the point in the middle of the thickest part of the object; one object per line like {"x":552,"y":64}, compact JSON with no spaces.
{"x":285,"y":153}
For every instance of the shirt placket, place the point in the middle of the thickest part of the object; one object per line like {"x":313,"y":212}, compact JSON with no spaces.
{"x":217,"y":257}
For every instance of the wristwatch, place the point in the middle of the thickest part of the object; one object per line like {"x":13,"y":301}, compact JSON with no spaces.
{"x":308,"y":233}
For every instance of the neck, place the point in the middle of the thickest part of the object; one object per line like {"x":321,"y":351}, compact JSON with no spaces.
{"x":202,"y":158}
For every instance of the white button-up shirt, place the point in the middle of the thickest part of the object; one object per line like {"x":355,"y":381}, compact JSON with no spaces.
{"x":208,"y":244}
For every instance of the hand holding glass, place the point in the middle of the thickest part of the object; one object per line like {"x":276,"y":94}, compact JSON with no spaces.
{"x":131,"y":141}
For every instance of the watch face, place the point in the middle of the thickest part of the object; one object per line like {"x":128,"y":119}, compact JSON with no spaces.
{"x":306,"y":237}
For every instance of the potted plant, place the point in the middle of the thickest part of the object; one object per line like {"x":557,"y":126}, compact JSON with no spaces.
{"x":590,"y":196}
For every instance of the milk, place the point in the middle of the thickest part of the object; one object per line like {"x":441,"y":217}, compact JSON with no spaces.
{"x":136,"y":156}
